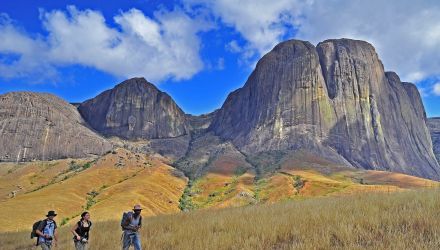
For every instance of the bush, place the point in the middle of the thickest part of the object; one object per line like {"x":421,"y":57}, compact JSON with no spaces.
{"x":298,"y":183}
{"x":64,"y":221}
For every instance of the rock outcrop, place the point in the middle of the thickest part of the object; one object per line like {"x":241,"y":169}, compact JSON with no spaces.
{"x":36,"y":126}
{"x":334,"y":100}
{"x":135,"y":109}
{"x":434,"y":128}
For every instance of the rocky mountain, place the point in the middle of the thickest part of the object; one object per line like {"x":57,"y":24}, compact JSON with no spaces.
{"x":36,"y":126}
{"x":434,"y":128}
{"x":135,"y":109}
{"x":334,"y":100}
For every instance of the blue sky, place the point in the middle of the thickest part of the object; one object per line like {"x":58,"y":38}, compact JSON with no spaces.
{"x":199,"y":51}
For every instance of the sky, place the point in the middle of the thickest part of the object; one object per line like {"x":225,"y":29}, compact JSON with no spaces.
{"x":198,"y":51}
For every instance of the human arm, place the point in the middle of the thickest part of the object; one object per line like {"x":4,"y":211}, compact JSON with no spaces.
{"x":55,"y":236}
{"x":40,"y":229}
{"x":74,"y":231}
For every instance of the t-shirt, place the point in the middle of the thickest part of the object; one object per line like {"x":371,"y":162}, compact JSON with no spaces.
{"x":132,"y":221}
{"x":83,"y":229}
{"x":47,"y":227}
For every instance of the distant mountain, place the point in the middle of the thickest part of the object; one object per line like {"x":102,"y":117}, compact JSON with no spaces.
{"x":434,"y":127}
{"x":135,"y":109}
{"x":35,"y":126}
{"x":333,"y":102}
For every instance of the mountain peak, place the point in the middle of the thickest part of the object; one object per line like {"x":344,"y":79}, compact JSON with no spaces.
{"x":135,"y":109}
{"x":334,"y":100}
{"x":137,"y":82}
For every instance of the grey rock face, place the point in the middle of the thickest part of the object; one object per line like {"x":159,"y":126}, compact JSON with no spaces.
{"x":380,"y":121}
{"x":284,"y":103}
{"x":434,"y":128}
{"x":135,"y":109}
{"x":200,"y":123}
{"x":207,"y":153}
{"x":37,"y":126}
{"x":331,"y":100}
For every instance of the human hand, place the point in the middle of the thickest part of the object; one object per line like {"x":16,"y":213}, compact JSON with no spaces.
{"x":78,"y":237}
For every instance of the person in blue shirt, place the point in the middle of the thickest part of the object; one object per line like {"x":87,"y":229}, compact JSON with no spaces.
{"x":47,"y":232}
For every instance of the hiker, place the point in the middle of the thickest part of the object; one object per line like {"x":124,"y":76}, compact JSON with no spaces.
{"x":81,"y":231}
{"x":131,"y":223}
{"x":47,"y":232}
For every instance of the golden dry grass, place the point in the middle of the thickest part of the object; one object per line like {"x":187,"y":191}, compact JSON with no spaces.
{"x":139,"y":179}
{"x":25,"y":177}
{"x":218,"y":189}
{"x":123,"y":178}
{"x":399,"y":220}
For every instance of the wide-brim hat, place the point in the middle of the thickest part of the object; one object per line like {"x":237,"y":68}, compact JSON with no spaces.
{"x":51,"y":213}
{"x":137,"y":207}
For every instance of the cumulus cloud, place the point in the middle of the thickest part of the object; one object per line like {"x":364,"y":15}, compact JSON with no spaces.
{"x":166,"y":46}
{"x":436,"y":89}
{"x":20,"y":54}
{"x":405,"y":33}
{"x":261,"y":23}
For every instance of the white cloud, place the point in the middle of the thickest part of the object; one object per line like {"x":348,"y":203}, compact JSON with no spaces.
{"x":28,"y":57}
{"x":164,"y":47}
{"x":220,"y":63}
{"x":233,"y":47}
{"x":405,"y":33}
{"x":261,"y":23}
{"x":436,"y":89}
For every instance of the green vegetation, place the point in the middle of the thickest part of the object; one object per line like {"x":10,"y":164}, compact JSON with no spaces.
{"x":259,"y":186}
{"x":298,"y":183}
{"x":64,"y":221}
{"x":266,"y":162}
{"x":90,"y":199}
{"x":185,"y":202}
{"x":240,"y":171}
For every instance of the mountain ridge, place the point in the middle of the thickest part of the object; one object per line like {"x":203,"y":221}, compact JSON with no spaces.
{"x":334,"y":100}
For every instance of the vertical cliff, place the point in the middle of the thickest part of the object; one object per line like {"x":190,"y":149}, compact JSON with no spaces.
{"x":332,"y":98}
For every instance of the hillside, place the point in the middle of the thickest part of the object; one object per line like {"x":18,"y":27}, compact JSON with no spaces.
{"x":295,"y":177}
{"x":110,"y":184}
{"x":105,"y":186}
{"x":402,"y":220}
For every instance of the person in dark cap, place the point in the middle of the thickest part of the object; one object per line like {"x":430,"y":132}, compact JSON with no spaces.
{"x":131,"y":223}
{"x":47,"y":232}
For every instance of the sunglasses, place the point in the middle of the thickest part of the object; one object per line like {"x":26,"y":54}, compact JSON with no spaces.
{"x":137,"y":210}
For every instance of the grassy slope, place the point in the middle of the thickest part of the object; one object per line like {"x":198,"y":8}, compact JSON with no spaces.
{"x":398,"y":220}
{"x":299,"y":177}
{"x":119,"y":180}
{"x":115,"y":182}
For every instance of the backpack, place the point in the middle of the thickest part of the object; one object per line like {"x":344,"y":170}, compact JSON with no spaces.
{"x":35,"y":227}
{"x":126,"y":216}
